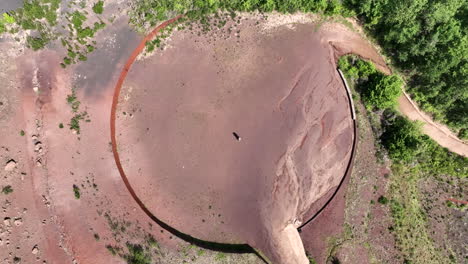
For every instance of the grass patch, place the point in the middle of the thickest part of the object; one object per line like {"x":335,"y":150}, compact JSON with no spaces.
{"x":220,"y":256}
{"x":414,"y":157}
{"x":382,"y":200}
{"x":76,"y":191}
{"x":457,"y":206}
{"x":137,"y":255}
{"x":151,"y":241}
{"x":98,"y":7}
{"x":409,"y":219}
{"x":111,"y":249}
{"x":7,"y":189}
{"x":74,"y":103}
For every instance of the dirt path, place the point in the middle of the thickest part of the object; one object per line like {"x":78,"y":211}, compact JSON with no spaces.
{"x":438,"y":132}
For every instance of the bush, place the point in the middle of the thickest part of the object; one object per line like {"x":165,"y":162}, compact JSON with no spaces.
{"x":36,"y":43}
{"x":98,"y":8}
{"x":7,"y":189}
{"x":76,"y":191}
{"x":382,"y":200}
{"x":463,"y":134}
{"x":403,"y":140}
{"x":381,"y":91}
{"x":111,"y":250}
{"x":137,"y":255}
{"x":220,"y":256}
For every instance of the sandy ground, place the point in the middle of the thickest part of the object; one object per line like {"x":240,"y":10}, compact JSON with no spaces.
{"x":438,"y":132}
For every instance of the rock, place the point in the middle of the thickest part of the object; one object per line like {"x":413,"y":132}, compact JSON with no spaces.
{"x":10,"y":165}
{"x":18,"y":221}
{"x":38,"y":163}
{"x":6,"y":221}
{"x":38,"y":146}
{"x":35,"y":250}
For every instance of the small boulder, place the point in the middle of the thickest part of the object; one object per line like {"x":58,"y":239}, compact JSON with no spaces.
{"x":10,"y":165}
{"x":35,"y":250}
{"x":7,"y":221}
{"x":37,"y":146}
{"x":18,"y":221}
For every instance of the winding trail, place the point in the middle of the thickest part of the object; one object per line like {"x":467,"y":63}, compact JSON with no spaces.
{"x":438,"y":132}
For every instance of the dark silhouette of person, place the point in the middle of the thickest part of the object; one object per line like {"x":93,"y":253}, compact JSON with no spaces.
{"x":238,"y":138}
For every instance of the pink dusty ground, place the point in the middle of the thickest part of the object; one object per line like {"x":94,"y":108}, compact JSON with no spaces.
{"x":178,"y":111}
{"x":280,"y":92}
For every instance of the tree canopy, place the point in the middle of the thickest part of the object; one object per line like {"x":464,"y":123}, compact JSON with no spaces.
{"x":427,"y":39}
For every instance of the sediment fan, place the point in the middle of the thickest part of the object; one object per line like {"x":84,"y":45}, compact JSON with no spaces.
{"x":233,"y":141}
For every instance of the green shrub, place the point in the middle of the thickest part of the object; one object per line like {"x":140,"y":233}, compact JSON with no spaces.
{"x":7,"y":189}
{"x":77,"y":19}
{"x":463,"y":133}
{"x":152,"y":242}
{"x":76,"y":191}
{"x":98,"y":7}
{"x":382,"y":200}
{"x":137,"y":255}
{"x":220,"y":256}
{"x":82,"y":57}
{"x":111,"y":249}
{"x":7,"y":19}
{"x":403,"y":139}
{"x":382,"y":91}
{"x":36,"y":43}
{"x":311,"y":260}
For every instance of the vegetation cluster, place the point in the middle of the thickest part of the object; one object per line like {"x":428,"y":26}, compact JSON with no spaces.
{"x":427,"y":41}
{"x":41,"y":18}
{"x":78,"y":116}
{"x":414,"y":156}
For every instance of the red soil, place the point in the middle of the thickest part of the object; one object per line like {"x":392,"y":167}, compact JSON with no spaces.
{"x":192,"y":174}
{"x":288,"y":105}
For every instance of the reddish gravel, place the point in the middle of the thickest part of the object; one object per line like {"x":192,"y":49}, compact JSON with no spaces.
{"x":177,"y":147}
{"x":289,"y":106}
